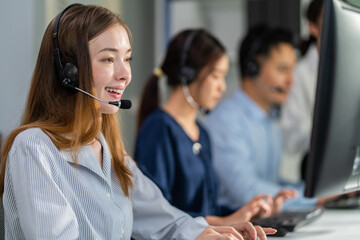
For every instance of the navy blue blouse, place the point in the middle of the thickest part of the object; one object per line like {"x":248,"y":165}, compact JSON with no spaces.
{"x":167,"y":155}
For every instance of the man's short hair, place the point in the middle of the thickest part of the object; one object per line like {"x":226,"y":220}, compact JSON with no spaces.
{"x":259,"y":41}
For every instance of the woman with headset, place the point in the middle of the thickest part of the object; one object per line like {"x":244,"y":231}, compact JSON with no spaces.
{"x":173,"y":148}
{"x":65,"y":173}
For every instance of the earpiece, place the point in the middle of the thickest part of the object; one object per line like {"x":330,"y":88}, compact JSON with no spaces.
{"x":186,"y":73}
{"x":67,"y":72}
{"x":252,"y":68}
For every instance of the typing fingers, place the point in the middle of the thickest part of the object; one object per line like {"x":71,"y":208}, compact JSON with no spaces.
{"x":220,"y":233}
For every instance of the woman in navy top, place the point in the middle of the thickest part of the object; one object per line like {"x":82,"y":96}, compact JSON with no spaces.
{"x":172,"y":147}
{"x":171,"y":159}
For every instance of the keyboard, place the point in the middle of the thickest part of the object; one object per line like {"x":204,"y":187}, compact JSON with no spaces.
{"x":344,"y":202}
{"x":288,"y":221}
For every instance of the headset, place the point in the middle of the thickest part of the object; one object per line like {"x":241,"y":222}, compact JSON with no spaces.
{"x":252,"y":67}
{"x":186,"y":73}
{"x":67,"y":72}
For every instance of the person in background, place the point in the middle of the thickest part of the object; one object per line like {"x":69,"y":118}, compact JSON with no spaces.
{"x":244,"y":129}
{"x":173,"y":149}
{"x":65,"y":173}
{"x":297,"y":111}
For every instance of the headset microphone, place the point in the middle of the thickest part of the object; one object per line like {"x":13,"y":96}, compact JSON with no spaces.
{"x":123,"y":104}
{"x":278,"y":89}
{"x":261,"y":84}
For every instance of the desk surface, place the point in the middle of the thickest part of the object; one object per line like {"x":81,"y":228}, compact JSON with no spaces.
{"x":331,"y":225}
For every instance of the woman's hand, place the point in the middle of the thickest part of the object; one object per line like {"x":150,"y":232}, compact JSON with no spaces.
{"x":219,"y":233}
{"x":262,"y":206}
{"x":249,"y":231}
{"x":280,"y":198}
{"x":323,"y":200}
{"x":259,"y":206}
{"x":243,"y":231}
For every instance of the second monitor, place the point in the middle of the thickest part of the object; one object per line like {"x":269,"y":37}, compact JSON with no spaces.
{"x":334,"y":158}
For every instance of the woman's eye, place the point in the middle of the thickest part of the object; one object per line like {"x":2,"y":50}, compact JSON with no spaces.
{"x":129,"y":59}
{"x":216,"y":76}
{"x":108,"y":60}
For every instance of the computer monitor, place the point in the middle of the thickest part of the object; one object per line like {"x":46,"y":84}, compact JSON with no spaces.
{"x":334,"y":159}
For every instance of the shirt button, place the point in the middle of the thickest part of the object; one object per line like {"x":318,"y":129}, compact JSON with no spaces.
{"x":108,"y":195}
{"x":122,"y":231}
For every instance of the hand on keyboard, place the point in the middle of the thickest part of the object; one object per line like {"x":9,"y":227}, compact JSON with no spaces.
{"x":346,"y":201}
{"x":280,"y":198}
{"x":288,"y":221}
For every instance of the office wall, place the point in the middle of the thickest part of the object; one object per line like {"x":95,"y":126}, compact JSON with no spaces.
{"x":17,"y":59}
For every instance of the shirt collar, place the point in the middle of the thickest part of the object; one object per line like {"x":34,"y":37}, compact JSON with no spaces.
{"x":251,"y":107}
{"x":87,"y":159}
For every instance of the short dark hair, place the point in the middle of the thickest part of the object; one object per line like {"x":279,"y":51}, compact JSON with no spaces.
{"x":259,"y":41}
{"x":314,"y":11}
{"x":313,"y":15}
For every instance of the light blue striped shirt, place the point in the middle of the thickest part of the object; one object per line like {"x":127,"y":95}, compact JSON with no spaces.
{"x":47,"y":196}
{"x":247,"y":148}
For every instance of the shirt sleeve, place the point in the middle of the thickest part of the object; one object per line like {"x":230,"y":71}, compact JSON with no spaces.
{"x":238,"y":180}
{"x":155,"y":155}
{"x":34,"y":206}
{"x":154,"y":217}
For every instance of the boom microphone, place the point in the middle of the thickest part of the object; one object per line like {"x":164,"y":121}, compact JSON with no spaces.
{"x":123,"y":104}
{"x":278,"y":89}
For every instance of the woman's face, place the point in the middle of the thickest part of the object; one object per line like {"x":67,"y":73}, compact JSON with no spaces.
{"x":208,"y":88}
{"x":110,"y":54}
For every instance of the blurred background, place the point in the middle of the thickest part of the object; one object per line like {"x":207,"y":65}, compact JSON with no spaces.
{"x":152,"y":22}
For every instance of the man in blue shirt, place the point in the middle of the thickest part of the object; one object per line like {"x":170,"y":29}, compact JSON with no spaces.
{"x":244,"y":129}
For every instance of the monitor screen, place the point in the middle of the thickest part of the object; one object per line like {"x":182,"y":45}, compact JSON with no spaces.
{"x":334,"y":158}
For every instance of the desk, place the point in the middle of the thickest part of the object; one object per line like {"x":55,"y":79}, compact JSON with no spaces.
{"x":331,"y":225}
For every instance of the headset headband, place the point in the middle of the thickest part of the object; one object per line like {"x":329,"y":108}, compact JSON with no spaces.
{"x":187,"y":74}
{"x":55,"y":34}
{"x":68,"y":72}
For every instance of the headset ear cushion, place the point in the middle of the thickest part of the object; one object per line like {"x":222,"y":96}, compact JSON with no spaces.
{"x":69,"y":75}
{"x":252,"y":68}
{"x":187,"y":75}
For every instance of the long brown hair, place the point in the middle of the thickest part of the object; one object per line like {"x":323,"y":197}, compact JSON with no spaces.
{"x":61,"y":113}
{"x":204,"y":50}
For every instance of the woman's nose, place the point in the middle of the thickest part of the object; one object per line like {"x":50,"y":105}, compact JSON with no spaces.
{"x":123,"y":72}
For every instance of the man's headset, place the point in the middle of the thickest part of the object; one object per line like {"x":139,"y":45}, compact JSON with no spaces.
{"x":186,"y":73}
{"x":252,"y":67}
{"x":67,"y":72}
